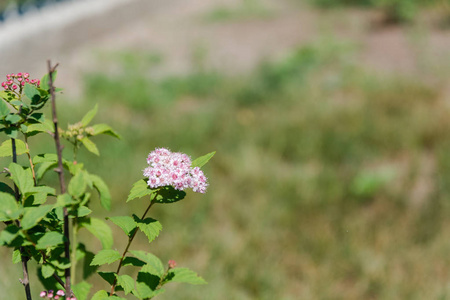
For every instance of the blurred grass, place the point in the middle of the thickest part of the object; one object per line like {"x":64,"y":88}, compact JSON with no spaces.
{"x":329,"y":182}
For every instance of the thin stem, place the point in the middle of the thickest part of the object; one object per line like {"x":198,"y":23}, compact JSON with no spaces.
{"x":25,"y":281}
{"x":60,"y":171}
{"x":31,"y":161}
{"x":113,"y":286}
{"x":74,"y":249}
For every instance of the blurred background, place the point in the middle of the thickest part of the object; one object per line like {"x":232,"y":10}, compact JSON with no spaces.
{"x":330,"y":118}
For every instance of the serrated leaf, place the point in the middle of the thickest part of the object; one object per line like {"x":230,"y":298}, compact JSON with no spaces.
{"x":146,"y":285}
{"x":8,"y":207}
{"x":105,"y":129}
{"x":44,"y":167}
{"x":48,"y":157}
{"x":139,"y":190}
{"x":202,"y":160}
{"x":13,"y":118}
{"x":89,"y":116}
{"x":168,"y":194}
{"x":77,"y":185}
{"x":149,"y":226}
{"x":65,"y":200}
{"x":4,"y":109}
{"x":153,"y":263}
{"x":33,"y":215}
{"x":90,"y":146}
{"x":6,"y":188}
{"x":16,"y":257}
{"x":132,"y":261}
{"x":101,"y":231}
{"x":38,"y":127}
{"x":126,"y":223}
{"x":100,"y":295}
{"x":49,"y":239}
{"x":11,"y":132}
{"x":108,"y":276}
{"x":22,"y":178}
{"x":6,"y":148}
{"x":183,"y":275}
{"x":126,"y":282}
{"x":84,"y":211}
{"x":103,"y":190}
{"x":81,"y":290}
{"x":32,"y":93}
{"x":47,"y":270}
{"x":9,"y":234}
{"x":106,"y":256}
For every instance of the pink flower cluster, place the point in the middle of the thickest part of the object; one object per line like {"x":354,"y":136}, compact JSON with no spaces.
{"x":14,"y":81}
{"x":174,"y":168}
{"x":52,"y":295}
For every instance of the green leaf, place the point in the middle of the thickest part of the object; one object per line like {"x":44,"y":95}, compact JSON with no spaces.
{"x":33,"y":215}
{"x":202,"y":160}
{"x":45,"y":82}
{"x":77,"y":185}
{"x":106,"y":256}
{"x":132,"y":261}
{"x":13,"y":118}
{"x":146,"y":285}
{"x":81,"y":290}
{"x":22,"y":178}
{"x":108,"y":276}
{"x":65,"y":200}
{"x":125,"y":222}
{"x":51,"y":238}
{"x":149,"y":226}
{"x":47,"y":270}
{"x":90,"y":146}
{"x":153,"y":263}
{"x":4,"y":109}
{"x":9,"y":209}
{"x":6,"y":148}
{"x":126,"y":282}
{"x":44,"y":167}
{"x":38,"y":127}
{"x":89,"y":116}
{"x":84,"y":211}
{"x":16,"y":257}
{"x":183,"y":275}
{"x":102,"y":188}
{"x":139,"y":190}
{"x":100,"y":295}
{"x":100,"y":230}
{"x":105,"y":129}
{"x":6,"y":188}
{"x":32,"y":93}
{"x":168,"y":194}
{"x":11,"y":132}
{"x":9,"y":234}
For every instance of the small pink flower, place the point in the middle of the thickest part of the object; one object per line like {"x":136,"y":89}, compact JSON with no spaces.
{"x":43,"y":294}
{"x":60,"y":293}
{"x":14,"y":87}
{"x":172,"y":264}
{"x":26,"y":75}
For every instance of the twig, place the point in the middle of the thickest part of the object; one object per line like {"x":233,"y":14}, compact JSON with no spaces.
{"x":60,"y":171}
{"x":25,"y":281}
{"x":113,"y":286}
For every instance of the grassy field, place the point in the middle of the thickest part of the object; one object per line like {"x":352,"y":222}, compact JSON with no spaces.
{"x":330,"y":181}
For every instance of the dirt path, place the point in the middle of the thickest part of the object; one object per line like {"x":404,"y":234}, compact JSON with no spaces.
{"x":174,"y":28}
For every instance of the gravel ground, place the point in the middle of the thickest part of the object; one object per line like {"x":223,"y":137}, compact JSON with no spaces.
{"x":77,"y":33}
